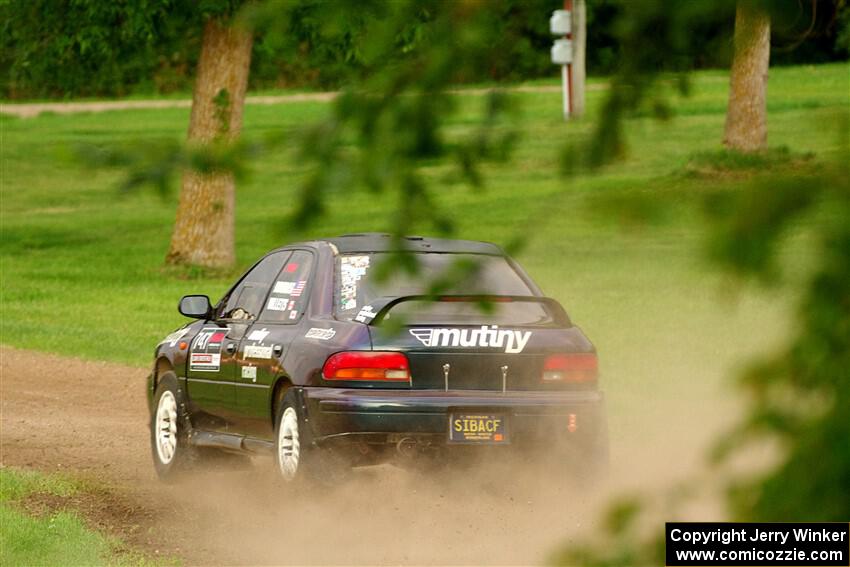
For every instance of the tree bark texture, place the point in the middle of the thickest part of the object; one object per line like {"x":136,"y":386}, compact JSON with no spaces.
{"x":746,"y":117}
{"x":204,"y":228}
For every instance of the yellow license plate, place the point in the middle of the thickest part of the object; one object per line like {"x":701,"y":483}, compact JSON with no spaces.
{"x":478,"y":428}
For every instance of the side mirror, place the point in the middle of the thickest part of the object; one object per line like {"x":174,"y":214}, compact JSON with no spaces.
{"x":195,"y":306}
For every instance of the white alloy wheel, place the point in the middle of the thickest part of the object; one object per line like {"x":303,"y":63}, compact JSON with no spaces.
{"x":166,"y":427}
{"x":288,"y":444}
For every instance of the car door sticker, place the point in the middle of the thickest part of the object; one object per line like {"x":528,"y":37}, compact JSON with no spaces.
{"x":277,"y":304}
{"x":258,"y":334}
{"x":256,"y":351}
{"x":174,"y":337}
{"x":249,"y":372}
{"x":321,"y":334}
{"x":488,"y":337}
{"x":205,"y":355}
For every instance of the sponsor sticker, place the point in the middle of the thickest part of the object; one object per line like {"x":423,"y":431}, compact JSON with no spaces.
{"x":366,"y":314}
{"x":205,"y":362}
{"x":321,"y":334}
{"x":486,"y":337}
{"x":293,"y":314}
{"x":291,"y":267}
{"x":258,"y":335}
{"x":256,"y":351}
{"x":277,"y":304}
{"x":283,"y":288}
{"x":174,"y":337}
{"x":249,"y":372}
{"x":205,"y":353}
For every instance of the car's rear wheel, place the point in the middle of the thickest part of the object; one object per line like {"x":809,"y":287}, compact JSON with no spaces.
{"x":169,"y":440}
{"x":291,"y":457}
{"x":289,"y":445}
{"x":297,"y":459}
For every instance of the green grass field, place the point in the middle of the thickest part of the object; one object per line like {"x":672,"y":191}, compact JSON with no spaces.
{"x":82,"y":264}
{"x":57,"y":537}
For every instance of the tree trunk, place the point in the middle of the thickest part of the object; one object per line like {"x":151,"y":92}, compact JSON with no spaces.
{"x":579,"y":51}
{"x":746,"y":118}
{"x":204,"y":229}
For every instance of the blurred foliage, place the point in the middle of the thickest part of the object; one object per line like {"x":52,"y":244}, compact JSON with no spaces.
{"x":72,"y":48}
{"x":67,"y":48}
{"x":86,"y":47}
{"x":800,"y":396}
{"x":797,"y":397}
{"x":387,"y":129}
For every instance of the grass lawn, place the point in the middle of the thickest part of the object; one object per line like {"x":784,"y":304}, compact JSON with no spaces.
{"x":82,"y":265}
{"x":55,"y":538}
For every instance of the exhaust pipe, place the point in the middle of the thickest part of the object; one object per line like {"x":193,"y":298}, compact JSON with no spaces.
{"x":407,"y":447}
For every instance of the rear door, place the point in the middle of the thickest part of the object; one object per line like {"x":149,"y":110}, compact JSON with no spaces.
{"x":268,"y":341}
{"x":211,"y":367}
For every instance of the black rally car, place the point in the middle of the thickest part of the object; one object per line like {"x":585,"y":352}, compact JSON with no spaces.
{"x":314,"y":353}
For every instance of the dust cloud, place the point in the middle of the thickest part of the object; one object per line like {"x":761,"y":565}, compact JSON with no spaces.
{"x":666,"y":404}
{"x":505,"y":513}
{"x":504,"y":510}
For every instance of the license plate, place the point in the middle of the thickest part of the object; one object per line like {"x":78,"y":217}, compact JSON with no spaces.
{"x":485,"y":428}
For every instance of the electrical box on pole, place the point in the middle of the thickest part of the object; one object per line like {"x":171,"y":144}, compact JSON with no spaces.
{"x":561,"y":23}
{"x":562,"y":51}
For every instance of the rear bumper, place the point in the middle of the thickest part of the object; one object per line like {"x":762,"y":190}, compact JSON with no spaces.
{"x":348,"y":412}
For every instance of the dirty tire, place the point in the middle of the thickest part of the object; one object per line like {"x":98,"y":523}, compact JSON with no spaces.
{"x":296,"y":459}
{"x":169,"y":438}
{"x":291,"y":449}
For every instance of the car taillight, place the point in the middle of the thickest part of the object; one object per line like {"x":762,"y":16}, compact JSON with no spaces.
{"x":572,"y":368}
{"x":367,"y":365}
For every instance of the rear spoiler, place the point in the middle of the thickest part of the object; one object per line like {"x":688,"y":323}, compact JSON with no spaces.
{"x":376,"y":311}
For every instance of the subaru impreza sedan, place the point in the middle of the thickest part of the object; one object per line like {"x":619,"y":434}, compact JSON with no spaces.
{"x":323,"y":353}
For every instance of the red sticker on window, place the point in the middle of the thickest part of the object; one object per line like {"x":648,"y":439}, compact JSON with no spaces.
{"x":291,"y":267}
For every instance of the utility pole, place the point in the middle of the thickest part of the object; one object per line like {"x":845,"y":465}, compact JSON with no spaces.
{"x":568,"y":52}
{"x":568,"y":68}
{"x":579,"y":50}
{"x":562,"y":52}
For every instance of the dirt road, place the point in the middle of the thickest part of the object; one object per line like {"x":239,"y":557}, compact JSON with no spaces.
{"x":29,"y":110}
{"x":90,"y":419}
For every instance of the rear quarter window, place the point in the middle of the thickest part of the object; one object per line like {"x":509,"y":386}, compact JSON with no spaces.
{"x":288,"y":297}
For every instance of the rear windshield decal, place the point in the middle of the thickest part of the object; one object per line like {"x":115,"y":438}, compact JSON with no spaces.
{"x":485,"y":337}
{"x":352,"y":268}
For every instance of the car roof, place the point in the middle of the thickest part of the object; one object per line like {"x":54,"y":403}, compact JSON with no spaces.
{"x":383,"y":242}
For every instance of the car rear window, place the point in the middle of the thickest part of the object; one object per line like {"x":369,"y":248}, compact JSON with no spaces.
{"x":359,"y":284}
